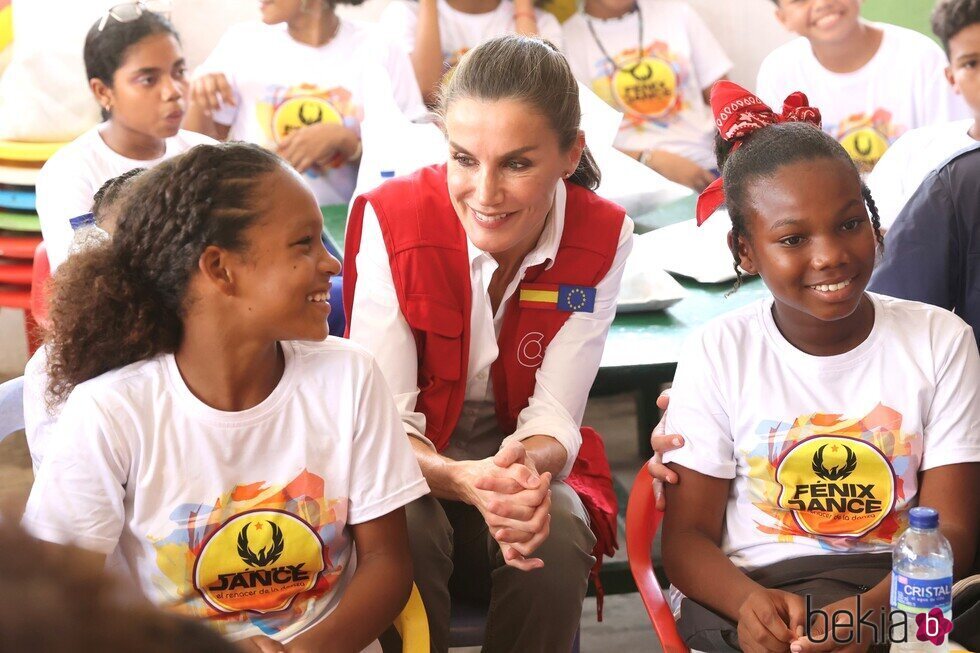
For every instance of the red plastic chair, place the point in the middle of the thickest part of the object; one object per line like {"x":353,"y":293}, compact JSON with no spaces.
{"x":642,"y":521}
{"x":41,"y":274}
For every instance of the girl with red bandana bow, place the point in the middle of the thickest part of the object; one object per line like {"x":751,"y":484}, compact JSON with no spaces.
{"x":791,"y":404}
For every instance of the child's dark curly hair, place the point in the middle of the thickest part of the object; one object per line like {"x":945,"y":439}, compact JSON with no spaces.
{"x":108,"y":193}
{"x":122,"y":301}
{"x":761,"y":154}
{"x":950,"y":17}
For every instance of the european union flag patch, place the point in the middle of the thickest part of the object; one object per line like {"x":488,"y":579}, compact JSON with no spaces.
{"x":558,"y":297}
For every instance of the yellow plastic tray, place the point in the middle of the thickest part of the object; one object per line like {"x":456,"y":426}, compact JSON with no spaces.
{"x":30,"y":152}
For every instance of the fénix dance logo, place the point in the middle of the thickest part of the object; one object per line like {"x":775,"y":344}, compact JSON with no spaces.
{"x":259,"y":561}
{"x":647,"y":88}
{"x":836,"y":486}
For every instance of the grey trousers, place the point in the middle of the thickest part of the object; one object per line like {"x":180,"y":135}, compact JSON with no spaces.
{"x":529,"y":612}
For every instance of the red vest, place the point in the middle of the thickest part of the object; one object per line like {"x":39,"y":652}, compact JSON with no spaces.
{"x":430,"y":268}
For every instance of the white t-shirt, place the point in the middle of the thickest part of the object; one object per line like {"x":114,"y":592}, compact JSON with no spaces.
{"x":460,"y":32}
{"x":281,"y":85}
{"x":38,"y":420}
{"x":903,"y":87}
{"x":69,"y":180}
{"x":241,"y":518}
{"x":661,"y":97}
{"x":909,"y":161}
{"x":824,"y":451}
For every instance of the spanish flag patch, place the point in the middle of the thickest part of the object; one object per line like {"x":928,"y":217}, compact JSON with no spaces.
{"x":557,"y":297}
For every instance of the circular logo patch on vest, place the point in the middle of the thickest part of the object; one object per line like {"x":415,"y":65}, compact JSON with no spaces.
{"x":531,"y":350}
{"x":647,"y":88}
{"x":836,"y":486}
{"x":302,"y":111}
{"x":866,"y":145}
{"x":258,"y":561}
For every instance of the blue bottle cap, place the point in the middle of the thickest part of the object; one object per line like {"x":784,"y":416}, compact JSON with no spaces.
{"x":923,"y":518}
{"x":387,"y":174}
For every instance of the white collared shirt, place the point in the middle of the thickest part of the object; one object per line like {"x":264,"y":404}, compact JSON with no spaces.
{"x":566,"y":373}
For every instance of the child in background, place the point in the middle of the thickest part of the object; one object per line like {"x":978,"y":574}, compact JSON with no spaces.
{"x":873,"y":81}
{"x":814,"y":419}
{"x":295,"y":83}
{"x":136,"y":71}
{"x":438,"y":33}
{"x":654,"y":61}
{"x":38,"y":418}
{"x":913,"y":156}
{"x":235,"y":466}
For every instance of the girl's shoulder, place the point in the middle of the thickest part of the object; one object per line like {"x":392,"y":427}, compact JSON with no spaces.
{"x":331,"y":357}
{"x":84,"y":148}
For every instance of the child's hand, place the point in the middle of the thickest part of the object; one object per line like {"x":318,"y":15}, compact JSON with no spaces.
{"x":679,"y":169}
{"x":661,"y":443}
{"x":322,"y":145}
{"x":261,"y":644}
{"x":210,"y":91}
{"x":842,"y":638}
{"x":768,"y":621}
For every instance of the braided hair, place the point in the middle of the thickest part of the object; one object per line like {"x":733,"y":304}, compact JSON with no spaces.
{"x":760,"y":155}
{"x":123,"y":301}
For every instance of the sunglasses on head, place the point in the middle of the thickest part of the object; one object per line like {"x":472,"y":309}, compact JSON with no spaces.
{"x":130,"y":11}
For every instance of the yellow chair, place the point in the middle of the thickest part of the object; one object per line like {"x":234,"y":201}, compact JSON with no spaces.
{"x":413,"y":625}
{"x":6,"y":24}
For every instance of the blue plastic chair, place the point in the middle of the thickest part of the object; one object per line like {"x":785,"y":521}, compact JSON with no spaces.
{"x":11,"y":407}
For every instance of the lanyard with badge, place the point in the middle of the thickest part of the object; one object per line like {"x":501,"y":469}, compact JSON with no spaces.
{"x":632,"y":70}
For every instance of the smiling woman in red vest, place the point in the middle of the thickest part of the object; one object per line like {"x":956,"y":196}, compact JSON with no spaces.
{"x":485,"y":288}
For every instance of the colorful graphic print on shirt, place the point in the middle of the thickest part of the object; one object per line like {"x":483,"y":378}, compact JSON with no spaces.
{"x":835,"y":479}
{"x":257,"y":554}
{"x":866,"y":137}
{"x":648,"y":88}
{"x":284,"y":110}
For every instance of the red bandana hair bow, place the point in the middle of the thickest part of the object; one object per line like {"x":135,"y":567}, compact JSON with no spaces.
{"x":737,"y":114}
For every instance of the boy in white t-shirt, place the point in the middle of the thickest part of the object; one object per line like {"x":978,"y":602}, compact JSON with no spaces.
{"x":438,"y":33}
{"x":814,"y":420}
{"x":297,"y":83}
{"x":235,"y":456}
{"x":136,"y":71}
{"x":872,"y":81}
{"x":913,"y":156}
{"x":654,"y":61}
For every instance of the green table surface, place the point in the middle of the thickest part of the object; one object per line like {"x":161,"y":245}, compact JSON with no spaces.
{"x":19,"y":221}
{"x":335,"y":224}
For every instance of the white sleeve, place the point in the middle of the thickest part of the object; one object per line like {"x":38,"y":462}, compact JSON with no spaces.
{"x":79,"y":491}
{"x":62,"y":194}
{"x":767,"y":84}
{"x":404,"y":86}
{"x":887,"y":180}
{"x":699,"y":412}
{"x":377,"y":324}
{"x":549,"y":28}
{"x":570,"y":364}
{"x":222,"y":60}
{"x":37,"y":420}
{"x":936,"y":102}
{"x":384,"y":474}
{"x":952,"y":430}
{"x":708,"y":59}
{"x":400,"y":21}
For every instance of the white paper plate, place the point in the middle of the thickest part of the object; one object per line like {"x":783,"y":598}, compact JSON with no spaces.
{"x":646,"y":286}
{"x":700,"y":253}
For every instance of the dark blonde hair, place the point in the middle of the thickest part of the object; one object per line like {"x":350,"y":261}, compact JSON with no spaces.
{"x":533,"y":71}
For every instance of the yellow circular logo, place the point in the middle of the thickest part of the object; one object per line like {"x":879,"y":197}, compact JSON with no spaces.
{"x":302,"y":111}
{"x":866,"y":145}
{"x":258,"y":561}
{"x":836,"y":486}
{"x":647,"y":88}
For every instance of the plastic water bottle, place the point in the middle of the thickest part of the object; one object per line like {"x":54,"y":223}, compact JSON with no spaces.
{"x":922,"y":579}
